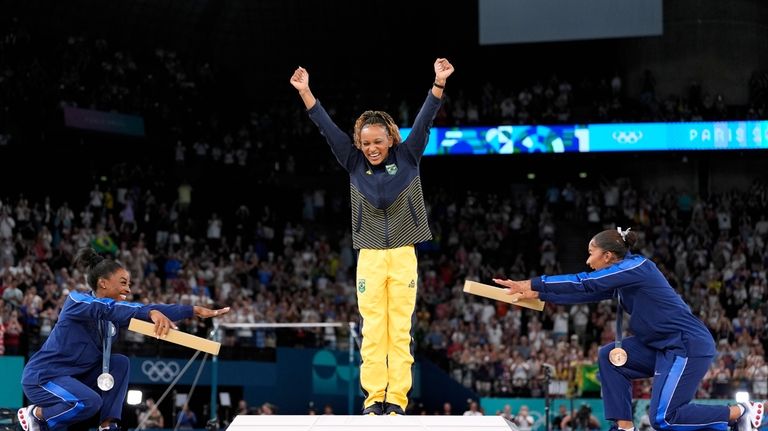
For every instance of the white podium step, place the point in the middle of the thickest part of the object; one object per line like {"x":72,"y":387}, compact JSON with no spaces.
{"x":374,"y":423}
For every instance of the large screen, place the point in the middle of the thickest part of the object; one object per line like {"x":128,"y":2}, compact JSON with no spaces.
{"x":525,"y":21}
{"x":593,"y":138}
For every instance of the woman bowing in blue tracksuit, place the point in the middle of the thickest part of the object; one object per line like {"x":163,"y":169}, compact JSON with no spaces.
{"x":669,"y":343}
{"x":60,"y":380}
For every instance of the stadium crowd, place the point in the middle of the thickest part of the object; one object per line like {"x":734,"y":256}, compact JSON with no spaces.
{"x":296,"y":264}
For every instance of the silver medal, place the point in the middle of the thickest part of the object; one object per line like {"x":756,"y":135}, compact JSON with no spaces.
{"x":105,"y":381}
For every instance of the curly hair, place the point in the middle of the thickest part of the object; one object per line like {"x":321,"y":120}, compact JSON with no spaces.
{"x":377,"y":117}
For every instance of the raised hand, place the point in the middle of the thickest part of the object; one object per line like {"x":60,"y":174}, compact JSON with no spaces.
{"x":443,"y":69}
{"x":300,"y":79}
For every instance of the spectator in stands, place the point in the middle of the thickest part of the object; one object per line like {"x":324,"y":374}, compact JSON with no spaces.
{"x":388,"y":218}
{"x":506,"y":412}
{"x":558,"y":420}
{"x":12,"y":337}
{"x":669,"y":342}
{"x":13,"y":295}
{"x":473,"y":409}
{"x":64,"y":372}
{"x":150,"y":417}
{"x":523,"y":419}
{"x":243,"y":409}
{"x":582,"y":419}
{"x":187,"y":419}
{"x":7,"y":224}
{"x":267,"y":409}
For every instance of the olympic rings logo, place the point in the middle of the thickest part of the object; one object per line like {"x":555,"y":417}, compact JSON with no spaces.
{"x":160,"y":371}
{"x":631,"y":137}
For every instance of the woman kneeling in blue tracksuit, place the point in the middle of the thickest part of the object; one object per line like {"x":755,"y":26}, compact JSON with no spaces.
{"x":60,"y":380}
{"x":669,"y":343}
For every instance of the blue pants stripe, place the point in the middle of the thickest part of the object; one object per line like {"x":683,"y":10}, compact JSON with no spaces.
{"x":667,"y":394}
{"x":66,"y":415}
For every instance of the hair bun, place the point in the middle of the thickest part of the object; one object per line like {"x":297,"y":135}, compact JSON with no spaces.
{"x":88,"y":257}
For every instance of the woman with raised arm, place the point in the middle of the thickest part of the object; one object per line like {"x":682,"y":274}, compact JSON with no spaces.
{"x":388,"y":218}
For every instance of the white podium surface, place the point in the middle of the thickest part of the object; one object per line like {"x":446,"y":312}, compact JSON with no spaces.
{"x":374,"y":423}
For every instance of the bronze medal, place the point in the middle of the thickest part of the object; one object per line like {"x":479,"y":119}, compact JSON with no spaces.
{"x":618,"y":356}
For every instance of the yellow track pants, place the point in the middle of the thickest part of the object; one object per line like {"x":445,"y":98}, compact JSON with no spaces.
{"x":386,"y":297}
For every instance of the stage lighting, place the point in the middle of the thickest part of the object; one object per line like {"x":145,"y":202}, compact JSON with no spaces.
{"x":134,"y":397}
{"x":742,"y":397}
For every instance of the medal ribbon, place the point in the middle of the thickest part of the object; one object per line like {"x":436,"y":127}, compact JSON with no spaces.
{"x":106,"y":344}
{"x":619,"y":320}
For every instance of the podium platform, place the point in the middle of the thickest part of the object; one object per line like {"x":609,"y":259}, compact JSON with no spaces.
{"x":373,"y":423}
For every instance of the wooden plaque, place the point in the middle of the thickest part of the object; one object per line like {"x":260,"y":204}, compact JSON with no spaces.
{"x":500,"y":294}
{"x":177,"y":337}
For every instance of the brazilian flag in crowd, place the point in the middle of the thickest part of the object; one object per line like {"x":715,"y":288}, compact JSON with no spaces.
{"x":587,"y":381}
{"x":104,"y":244}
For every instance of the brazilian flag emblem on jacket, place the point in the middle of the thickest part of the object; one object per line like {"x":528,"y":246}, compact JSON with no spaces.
{"x":391,"y":169}
{"x":361,"y":285}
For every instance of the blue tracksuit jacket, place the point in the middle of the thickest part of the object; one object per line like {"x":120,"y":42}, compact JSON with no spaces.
{"x":388,"y":209}
{"x":74,"y":345}
{"x":658,"y":316}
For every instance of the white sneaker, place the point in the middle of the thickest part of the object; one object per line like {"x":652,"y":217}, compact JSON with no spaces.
{"x":27,"y":418}
{"x":752,"y":417}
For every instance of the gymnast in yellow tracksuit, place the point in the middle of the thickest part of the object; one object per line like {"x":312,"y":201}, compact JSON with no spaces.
{"x":388,"y":218}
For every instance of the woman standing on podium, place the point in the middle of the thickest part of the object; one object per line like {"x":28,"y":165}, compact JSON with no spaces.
{"x":74,"y":375}
{"x":388,"y":218}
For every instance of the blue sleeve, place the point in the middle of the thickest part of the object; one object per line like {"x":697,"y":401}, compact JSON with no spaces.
{"x":88,"y":307}
{"x":341,"y":144}
{"x":173,"y":312}
{"x":575,"y":298}
{"x":416,"y":142}
{"x":599,"y":284}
